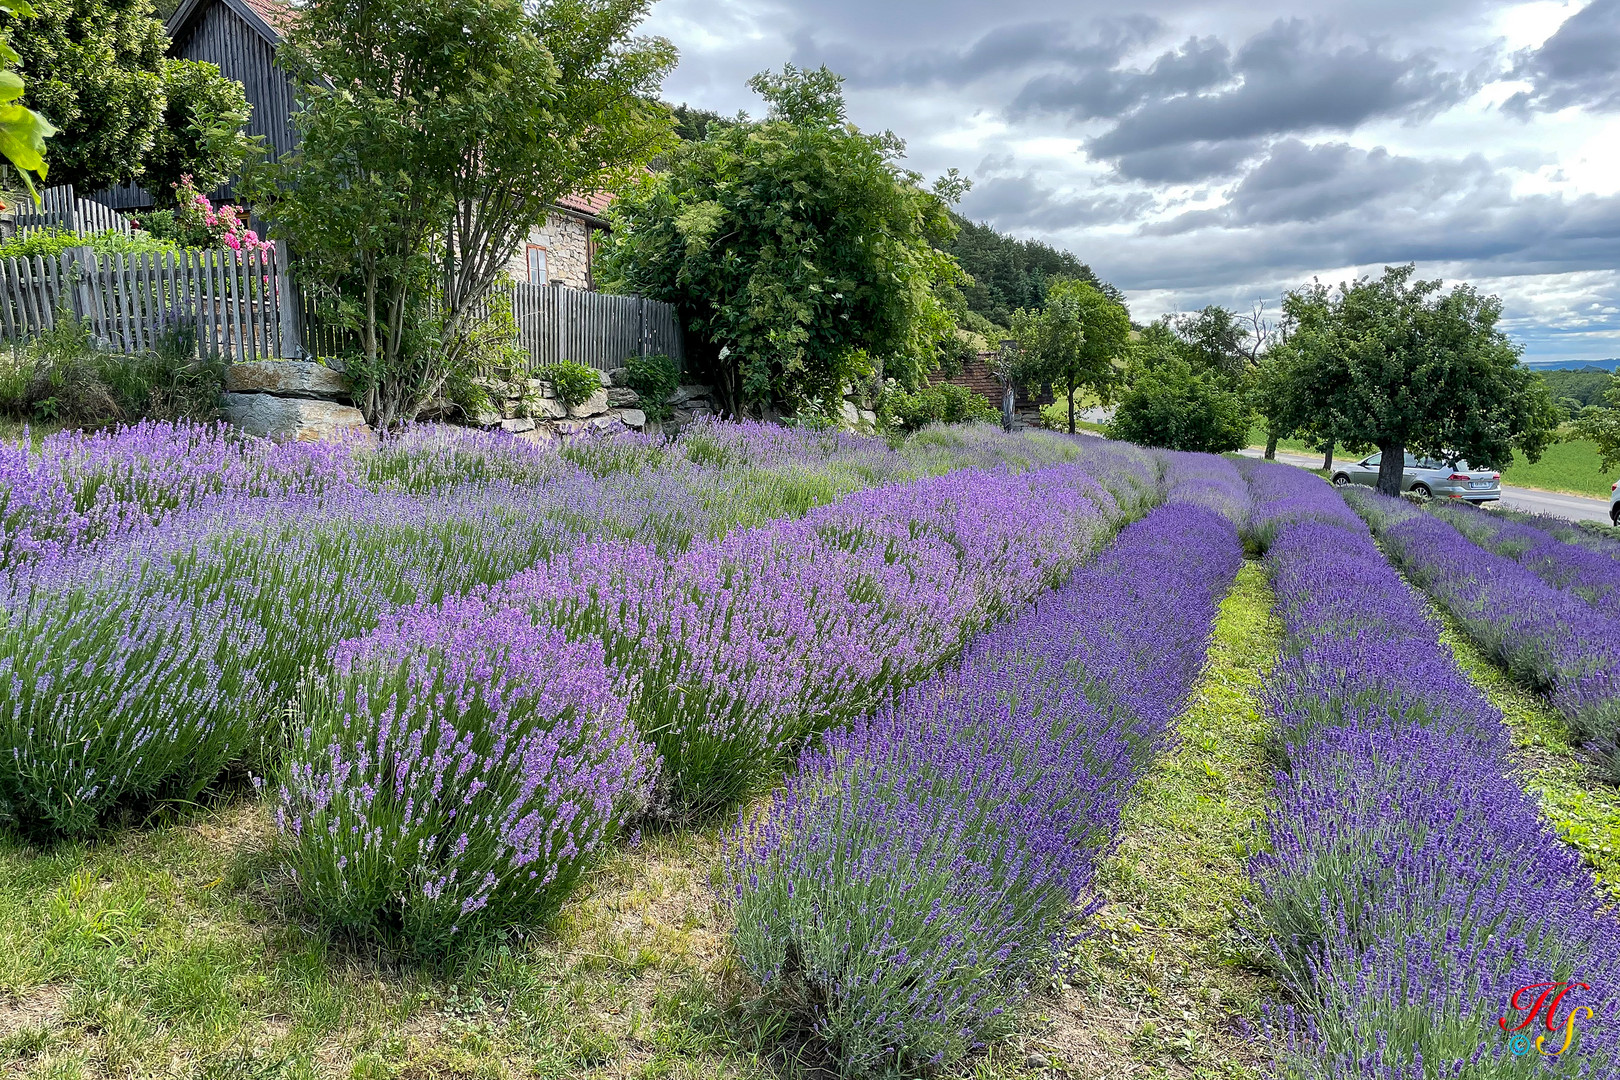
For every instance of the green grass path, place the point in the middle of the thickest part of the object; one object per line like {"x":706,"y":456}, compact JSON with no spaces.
{"x":1164,"y":976}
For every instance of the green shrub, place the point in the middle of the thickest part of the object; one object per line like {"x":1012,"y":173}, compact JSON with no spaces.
{"x":940,"y":403}
{"x":572,"y":383}
{"x":61,"y":377}
{"x":52,"y":241}
{"x":653,"y":378}
{"x":1171,"y":405}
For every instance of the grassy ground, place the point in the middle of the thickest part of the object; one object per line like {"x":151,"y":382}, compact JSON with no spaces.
{"x":1160,"y":984}
{"x":168,"y":953}
{"x":1576,"y":800}
{"x":1572,"y":466}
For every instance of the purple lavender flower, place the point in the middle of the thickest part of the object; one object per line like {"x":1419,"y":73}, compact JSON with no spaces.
{"x":1410,"y":885}
{"x":921,"y":867}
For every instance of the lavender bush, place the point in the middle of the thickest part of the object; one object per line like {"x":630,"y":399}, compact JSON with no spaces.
{"x":266,"y":556}
{"x":464,"y":775}
{"x":919,"y":869}
{"x":741,"y":647}
{"x":1410,"y":886}
{"x":1593,"y":575}
{"x":1550,"y":638}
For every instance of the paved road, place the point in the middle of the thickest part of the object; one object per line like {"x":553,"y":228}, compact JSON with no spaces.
{"x":1569,"y":507}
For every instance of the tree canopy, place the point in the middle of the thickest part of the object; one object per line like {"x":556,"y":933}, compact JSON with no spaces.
{"x":1075,"y":341}
{"x":801,"y":254}
{"x":1406,"y":366}
{"x":434,"y":134}
{"x":97,"y":69}
{"x":1174,"y":405}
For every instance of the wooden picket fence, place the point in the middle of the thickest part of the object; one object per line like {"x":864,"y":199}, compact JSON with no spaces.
{"x":239,"y":305}
{"x":555,"y":323}
{"x":60,"y":208}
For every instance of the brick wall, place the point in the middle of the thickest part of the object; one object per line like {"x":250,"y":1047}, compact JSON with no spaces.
{"x":976,"y":376}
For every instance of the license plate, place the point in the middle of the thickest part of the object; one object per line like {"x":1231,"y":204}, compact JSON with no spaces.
{"x":1480,"y":485}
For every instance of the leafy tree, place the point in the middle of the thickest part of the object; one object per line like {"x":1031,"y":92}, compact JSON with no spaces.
{"x":97,"y":68}
{"x":801,"y":255}
{"x":22,"y":131}
{"x":1216,"y":339}
{"x":202,"y":134}
{"x":1173,"y":405}
{"x":1399,"y":364}
{"x":1008,"y":273}
{"x":693,"y":124}
{"x":1601,"y":424}
{"x":1074,"y":341}
{"x":434,"y":134}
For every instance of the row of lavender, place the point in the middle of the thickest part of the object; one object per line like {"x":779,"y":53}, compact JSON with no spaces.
{"x":1410,"y":887}
{"x":922,"y":868}
{"x":1588,"y":566}
{"x":1542,"y":608}
{"x":167,"y":589}
{"x":469,"y":757}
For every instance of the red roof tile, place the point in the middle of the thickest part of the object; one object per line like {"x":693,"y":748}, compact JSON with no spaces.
{"x":594,"y":203}
{"x":277,"y":13}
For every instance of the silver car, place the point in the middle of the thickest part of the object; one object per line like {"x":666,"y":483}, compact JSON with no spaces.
{"x":1429,"y":478}
{"x":1614,"y":504}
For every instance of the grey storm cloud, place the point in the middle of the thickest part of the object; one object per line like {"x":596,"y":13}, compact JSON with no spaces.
{"x":1015,"y":48}
{"x":1578,"y":65}
{"x":1289,"y":79}
{"x":1108,"y":92}
{"x":1212,"y":151}
{"x":1022,"y":203}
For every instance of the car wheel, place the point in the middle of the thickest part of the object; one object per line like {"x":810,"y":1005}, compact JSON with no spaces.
{"x":1422,"y":491}
{"x":1341,"y":480}
{"x":1614,"y":516}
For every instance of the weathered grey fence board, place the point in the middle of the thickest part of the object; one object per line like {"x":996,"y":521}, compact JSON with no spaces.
{"x":60,"y":208}
{"x":129,"y":301}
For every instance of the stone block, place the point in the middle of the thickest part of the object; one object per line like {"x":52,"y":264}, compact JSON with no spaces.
{"x":620,"y":396}
{"x":690,"y":392}
{"x":294,"y":419}
{"x":547,"y":409}
{"x":850,"y":415}
{"x":633,"y":418}
{"x":517,"y":426}
{"x":287,"y":378}
{"x":617,"y":377}
{"x":595,"y":405}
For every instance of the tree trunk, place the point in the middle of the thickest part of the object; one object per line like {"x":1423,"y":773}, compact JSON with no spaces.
{"x":1327,"y":456}
{"x":1392,"y":469}
{"x":1007,"y":404}
{"x":1071,"y":404}
{"x":1271,"y":446}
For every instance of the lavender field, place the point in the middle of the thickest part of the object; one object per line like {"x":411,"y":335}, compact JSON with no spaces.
{"x":779,"y":752}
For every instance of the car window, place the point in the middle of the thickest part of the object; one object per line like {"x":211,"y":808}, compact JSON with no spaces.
{"x":1374,"y":461}
{"x":1430,"y":463}
{"x":1411,"y":462}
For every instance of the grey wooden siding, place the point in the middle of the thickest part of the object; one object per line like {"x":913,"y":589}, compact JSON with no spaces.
{"x":221,"y":36}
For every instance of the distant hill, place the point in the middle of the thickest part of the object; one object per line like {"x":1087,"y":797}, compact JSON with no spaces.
{"x":1611,"y":364}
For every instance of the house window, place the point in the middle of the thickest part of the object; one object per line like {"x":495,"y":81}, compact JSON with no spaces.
{"x":537,"y":264}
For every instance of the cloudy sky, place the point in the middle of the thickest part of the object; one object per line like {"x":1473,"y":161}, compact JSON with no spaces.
{"x":1226,"y":150}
